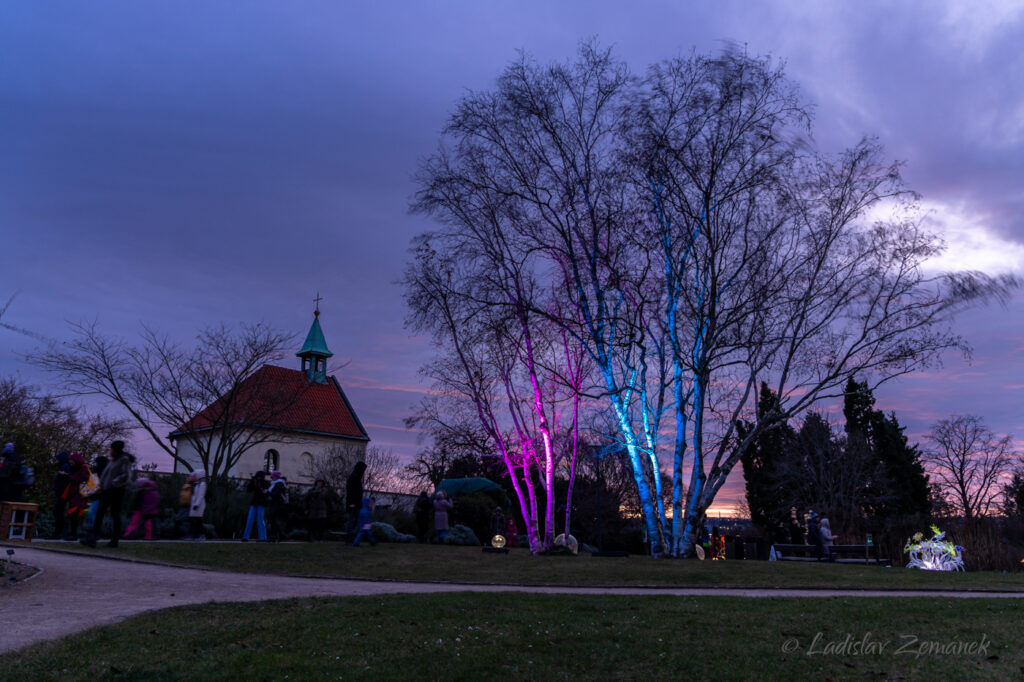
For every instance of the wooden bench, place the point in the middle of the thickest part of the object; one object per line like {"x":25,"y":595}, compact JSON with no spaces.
{"x":861,"y":553}
{"x":796,"y":552}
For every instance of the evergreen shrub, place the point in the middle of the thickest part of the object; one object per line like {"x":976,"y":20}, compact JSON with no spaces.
{"x":461,"y":535}
{"x":385,"y":532}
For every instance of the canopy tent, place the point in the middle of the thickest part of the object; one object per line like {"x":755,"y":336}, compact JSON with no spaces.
{"x":466,"y":486}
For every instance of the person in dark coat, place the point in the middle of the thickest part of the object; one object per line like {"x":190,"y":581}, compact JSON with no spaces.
{"x":354,"y":496}
{"x":11,"y":485}
{"x":317,"y":506}
{"x":497,"y":522}
{"x":258,"y":501}
{"x":115,"y":478}
{"x":796,"y":532}
{"x":705,"y":540}
{"x":814,"y":536}
{"x":278,"y":507}
{"x":422,"y":510}
{"x":60,"y":484}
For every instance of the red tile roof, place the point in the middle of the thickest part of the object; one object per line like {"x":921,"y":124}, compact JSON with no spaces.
{"x":280,"y":398}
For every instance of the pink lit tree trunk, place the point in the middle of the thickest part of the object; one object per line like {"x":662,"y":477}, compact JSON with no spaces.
{"x":698,"y":244}
{"x":548,"y":460}
{"x":497,"y":351}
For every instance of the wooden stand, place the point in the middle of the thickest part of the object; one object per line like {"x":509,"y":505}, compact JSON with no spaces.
{"x":17,"y":521}
{"x":495,"y":550}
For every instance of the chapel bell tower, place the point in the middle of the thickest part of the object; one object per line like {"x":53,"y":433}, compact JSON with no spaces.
{"x":314,"y":351}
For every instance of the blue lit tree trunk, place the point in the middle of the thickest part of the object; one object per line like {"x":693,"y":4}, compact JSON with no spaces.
{"x":696,"y":245}
{"x":674,"y":250}
{"x":785,"y":280}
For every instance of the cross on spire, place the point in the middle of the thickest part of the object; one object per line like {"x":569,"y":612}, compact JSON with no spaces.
{"x":317,"y":302}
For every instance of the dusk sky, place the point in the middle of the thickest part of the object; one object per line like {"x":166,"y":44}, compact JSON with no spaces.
{"x":182,"y":164}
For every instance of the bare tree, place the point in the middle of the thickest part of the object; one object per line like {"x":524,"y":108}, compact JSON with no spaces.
{"x":697,"y":245}
{"x":213,"y":395}
{"x":428,"y":468}
{"x":941,"y":508}
{"x":450,"y":428}
{"x":773,"y":271}
{"x":497,"y":355}
{"x":969,"y":462}
{"x":335,"y":464}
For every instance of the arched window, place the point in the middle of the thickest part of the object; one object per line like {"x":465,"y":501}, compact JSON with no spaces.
{"x":271,"y":461}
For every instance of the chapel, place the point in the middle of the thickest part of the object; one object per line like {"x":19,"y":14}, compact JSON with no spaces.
{"x":302,"y":414}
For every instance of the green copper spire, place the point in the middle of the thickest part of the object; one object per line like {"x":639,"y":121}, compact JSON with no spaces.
{"x":315,"y":343}
{"x":314,"y":351}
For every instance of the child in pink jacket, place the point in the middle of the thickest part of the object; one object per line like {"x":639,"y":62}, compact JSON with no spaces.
{"x":149,"y":508}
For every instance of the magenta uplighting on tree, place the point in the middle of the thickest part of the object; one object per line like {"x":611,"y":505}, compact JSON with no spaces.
{"x":659,"y":244}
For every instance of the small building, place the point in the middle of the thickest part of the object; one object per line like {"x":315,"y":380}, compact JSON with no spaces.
{"x":302,"y":414}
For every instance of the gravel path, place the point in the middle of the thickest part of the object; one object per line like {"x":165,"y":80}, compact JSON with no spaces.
{"x":74,"y":592}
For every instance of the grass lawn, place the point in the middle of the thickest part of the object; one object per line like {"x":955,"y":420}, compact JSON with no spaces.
{"x":546,"y":637}
{"x":469,"y":564}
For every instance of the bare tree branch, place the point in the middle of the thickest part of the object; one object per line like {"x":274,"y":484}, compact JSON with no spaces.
{"x":211,"y":395}
{"x":970,"y":463}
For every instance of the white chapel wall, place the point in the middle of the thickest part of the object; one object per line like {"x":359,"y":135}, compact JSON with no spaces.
{"x":294,"y":454}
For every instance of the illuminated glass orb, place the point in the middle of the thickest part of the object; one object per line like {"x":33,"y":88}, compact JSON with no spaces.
{"x":498,"y":541}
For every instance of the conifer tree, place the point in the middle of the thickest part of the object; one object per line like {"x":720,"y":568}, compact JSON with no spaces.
{"x":765,"y":495}
{"x":904,"y":488}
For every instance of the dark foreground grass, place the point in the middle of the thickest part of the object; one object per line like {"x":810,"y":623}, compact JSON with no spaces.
{"x":546,"y":637}
{"x":470,"y":565}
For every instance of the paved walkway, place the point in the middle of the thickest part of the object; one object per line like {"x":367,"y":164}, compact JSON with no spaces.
{"x":76,"y":592}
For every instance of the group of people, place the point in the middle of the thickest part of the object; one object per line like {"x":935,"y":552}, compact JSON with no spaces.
{"x":269,"y":500}
{"x":713,"y":543}
{"x":86,"y":493}
{"x":268,"y":507}
{"x":436,"y":508}
{"x":816,"y":531}
{"x":504,"y":526}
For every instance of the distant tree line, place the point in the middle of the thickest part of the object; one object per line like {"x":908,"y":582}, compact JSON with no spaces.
{"x":868,"y":478}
